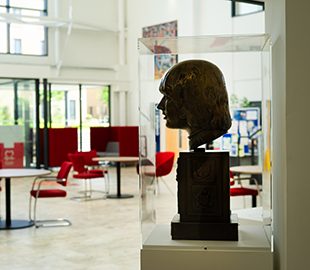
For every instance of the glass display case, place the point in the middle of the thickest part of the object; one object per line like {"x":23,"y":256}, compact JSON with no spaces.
{"x":237,"y":57}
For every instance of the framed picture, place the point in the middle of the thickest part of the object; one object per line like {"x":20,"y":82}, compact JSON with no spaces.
{"x":166,"y":60}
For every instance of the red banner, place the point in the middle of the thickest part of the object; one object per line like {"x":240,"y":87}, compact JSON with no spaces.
{"x":12,"y":157}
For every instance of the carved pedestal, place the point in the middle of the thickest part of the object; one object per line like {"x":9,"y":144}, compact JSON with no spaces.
{"x":204,"y":198}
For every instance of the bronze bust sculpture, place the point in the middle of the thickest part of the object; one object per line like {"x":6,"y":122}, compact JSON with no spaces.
{"x":195,"y":99}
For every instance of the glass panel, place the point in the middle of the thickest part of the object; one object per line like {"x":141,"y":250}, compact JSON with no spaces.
{"x":201,"y":44}
{"x":33,"y":4}
{"x":63,"y":96}
{"x":2,"y":10}
{"x":147,"y":141}
{"x":17,"y":107}
{"x":95,"y":110}
{"x":267,"y":140}
{"x":3,"y":37}
{"x":30,"y":36}
{"x":228,"y":53}
{"x":3,"y":2}
{"x":28,"y":13}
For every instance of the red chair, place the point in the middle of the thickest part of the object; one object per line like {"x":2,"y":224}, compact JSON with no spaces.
{"x":164,"y":165}
{"x":88,"y":156}
{"x":244,"y":191}
{"x":0,"y":181}
{"x":61,"y":179}
{"x":80,"y":166}
{"x":0,"y":168}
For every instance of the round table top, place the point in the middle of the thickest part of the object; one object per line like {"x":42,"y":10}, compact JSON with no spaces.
{"x":15,"y":173}
{"x":117,"y":159}
{"x":249,"y":169}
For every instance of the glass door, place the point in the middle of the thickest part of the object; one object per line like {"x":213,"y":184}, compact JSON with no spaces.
{"x":95,"y":110}
{"x":76,"y":105}
{"x":18,"y":121}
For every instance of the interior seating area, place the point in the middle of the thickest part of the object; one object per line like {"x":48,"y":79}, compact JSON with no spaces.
{"x":108,"y":229}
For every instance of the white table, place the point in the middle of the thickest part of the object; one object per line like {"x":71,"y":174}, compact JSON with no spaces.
{"x":249,"y":169}
{"x":118,"y":161}
{"x":10,"y":224}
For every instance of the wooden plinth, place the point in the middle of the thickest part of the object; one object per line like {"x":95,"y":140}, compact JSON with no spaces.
{"x":204,"y":230}
{"x":203,"y":198}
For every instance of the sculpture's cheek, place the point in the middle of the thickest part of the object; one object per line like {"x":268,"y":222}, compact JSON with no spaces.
{"x":173,"y":116}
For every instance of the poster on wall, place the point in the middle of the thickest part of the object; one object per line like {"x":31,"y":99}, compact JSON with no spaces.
{"x":12,"y":146}
{"x":165,"y":60}
{"x":244,"y":130}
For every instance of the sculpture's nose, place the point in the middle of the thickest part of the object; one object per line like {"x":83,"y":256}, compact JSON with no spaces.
{"x":161,"y":106}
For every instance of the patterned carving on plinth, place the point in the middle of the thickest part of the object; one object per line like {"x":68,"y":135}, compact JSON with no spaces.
{"x":203,"y":171}
{"x":203,"y":186}
{"x":204,"y":198}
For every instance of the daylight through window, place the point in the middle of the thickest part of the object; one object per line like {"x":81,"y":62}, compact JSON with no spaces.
{"x":20,"y":28}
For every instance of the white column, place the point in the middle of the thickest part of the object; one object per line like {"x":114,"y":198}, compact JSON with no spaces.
{"x":121,"y":44}
{"x":121,"y":29}
{"x":122,"y":108}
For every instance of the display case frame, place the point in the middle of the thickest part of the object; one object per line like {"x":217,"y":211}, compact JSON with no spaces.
{"x":214,"y":49}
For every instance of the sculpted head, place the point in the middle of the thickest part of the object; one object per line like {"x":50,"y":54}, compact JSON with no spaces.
{"x":195,"y":99}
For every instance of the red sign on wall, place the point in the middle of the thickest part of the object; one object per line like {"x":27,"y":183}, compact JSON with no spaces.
{"x":12,"y":157}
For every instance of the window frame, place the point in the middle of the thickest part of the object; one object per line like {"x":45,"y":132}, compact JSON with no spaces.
{"x":43,"y":12}
{"x":234,"y":3}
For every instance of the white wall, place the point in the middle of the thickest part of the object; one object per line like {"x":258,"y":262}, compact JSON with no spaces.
{"x":90,"y":52}
{"x":84,"y":49}
{"x":288,"y":22}
{"x":196,"y":17}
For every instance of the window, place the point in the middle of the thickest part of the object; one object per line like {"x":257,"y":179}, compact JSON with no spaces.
{"x":240,"y":9}
{"x":72,"y":110}
{"x":17,"y":46}
{"x":25,"y":37}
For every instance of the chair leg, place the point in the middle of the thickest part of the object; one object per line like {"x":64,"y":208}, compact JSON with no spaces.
{"x":254,"y":202}
{"x":88,"y":194}
{"x":30,"y":208}
{"x":167,"y":186}
{"x":46,"y":223}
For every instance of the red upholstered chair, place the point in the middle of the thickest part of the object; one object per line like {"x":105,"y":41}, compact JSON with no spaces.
{"x":244,"y":191}
{"x":38,"y":193}
{"x":164,"y":165}
{"x":0,"y":168}
{"x":0,"y":181}
{"x":88,"y":156}
{"x":80,"y":166}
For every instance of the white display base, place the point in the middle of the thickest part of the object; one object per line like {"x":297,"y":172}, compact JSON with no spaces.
{"x":252,"y":251}
{"x":250,"y":216}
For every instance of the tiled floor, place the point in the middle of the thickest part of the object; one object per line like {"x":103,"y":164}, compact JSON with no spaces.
{"x":105,"y":234}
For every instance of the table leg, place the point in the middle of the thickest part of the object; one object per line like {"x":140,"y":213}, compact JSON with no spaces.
{"x":119,"y":195}
{"x":253,"y":201}
{"x":8,"y":201}
{"x":118,"y":172}
{"x":10,"y":224}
